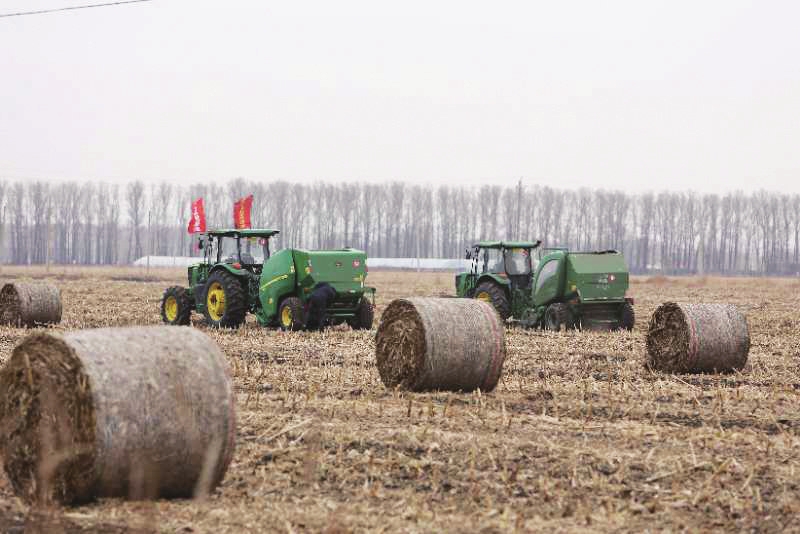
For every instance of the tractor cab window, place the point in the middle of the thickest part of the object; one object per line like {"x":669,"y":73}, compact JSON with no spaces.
{"x":227,"y":249}
{"x":492,"y":261}
{"x":255,"y":250}
{"x":518,"y":261}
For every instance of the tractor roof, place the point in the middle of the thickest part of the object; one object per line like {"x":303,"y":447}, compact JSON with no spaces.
{"x":508,"y":244}
{"x":248,"y":232}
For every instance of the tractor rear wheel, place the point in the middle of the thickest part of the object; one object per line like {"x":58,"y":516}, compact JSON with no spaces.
{"x":291,"y":315}
{"x":365,"y":314}
{"x":176,"y":306}
{"x":627,"y":317}
{"x":496,"y":296}
{"x":558,"y":316}
{"x":226,"y":303}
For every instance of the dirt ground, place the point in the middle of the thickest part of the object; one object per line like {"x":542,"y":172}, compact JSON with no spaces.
{"x":578,"y":436}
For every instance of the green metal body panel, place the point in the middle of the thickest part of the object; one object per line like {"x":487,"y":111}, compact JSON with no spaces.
{"x":549,"y":280}
{"x":597,"y":277}
{"x":278,"y":280}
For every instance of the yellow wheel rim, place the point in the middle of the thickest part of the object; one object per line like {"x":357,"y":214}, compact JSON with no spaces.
{"x":171,"y":308}
{"x":286,"y":316}
{"x":215,"y":301}
{"x":484,"y":296}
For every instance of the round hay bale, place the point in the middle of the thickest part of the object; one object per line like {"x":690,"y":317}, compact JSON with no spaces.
{"x":440,"y":344}
{"x":28,"y":305}
{"x":697,"y":338}
{"x":138,"y":413}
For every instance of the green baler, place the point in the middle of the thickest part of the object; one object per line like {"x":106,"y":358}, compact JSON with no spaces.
{"x":238,"y":274}
{"x":565,"y":290}
{"x":586,"y":290}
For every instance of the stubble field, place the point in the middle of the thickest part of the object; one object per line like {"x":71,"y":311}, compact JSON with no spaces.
{"x":578,"y":436}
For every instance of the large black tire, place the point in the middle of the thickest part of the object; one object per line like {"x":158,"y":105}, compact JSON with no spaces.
{"x":496,"y":296}
{"x":226,"y":302}
{"x":627,"y":317}
{"x":365,"y":314}
{"x":558,"y":316}
{"x":176,"y":306}
{"x":291,"y":315}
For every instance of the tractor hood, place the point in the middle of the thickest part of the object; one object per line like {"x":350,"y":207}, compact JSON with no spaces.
{"x":597,"y":276}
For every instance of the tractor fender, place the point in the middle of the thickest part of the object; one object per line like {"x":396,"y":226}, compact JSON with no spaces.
{"x":278,"y":281}
{"x":230,"y":268}
{"x":495,"y":278}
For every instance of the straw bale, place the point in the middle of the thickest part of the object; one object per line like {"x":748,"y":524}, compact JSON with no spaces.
{"x":138,"y":413}
{"x":697,"y":338}
{"x":30,"y":304}
{"x":440,"y":344}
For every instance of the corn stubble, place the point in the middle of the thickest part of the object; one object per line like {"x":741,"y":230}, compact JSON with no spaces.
{"x":578,"y":434}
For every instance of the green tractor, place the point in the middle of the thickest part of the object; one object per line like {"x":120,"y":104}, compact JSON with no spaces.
{"x":238,"y":274}
{"x":564,"y":289}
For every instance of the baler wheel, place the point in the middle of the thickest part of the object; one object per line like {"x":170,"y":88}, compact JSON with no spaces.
{"x":365,"y":314}
{"x":291,"y":315}
{"x":627,"y":317}
{"x":557,"y":316}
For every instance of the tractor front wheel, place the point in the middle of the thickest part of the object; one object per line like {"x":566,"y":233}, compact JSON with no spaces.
{"x":558,"y":316}
{"x":365,"y":314}
{"x":226,"y":303}
{"x":627,"y":317}
{"x":290,"y":314}
{"x":496,"y":296}
{"x":176,"y":306}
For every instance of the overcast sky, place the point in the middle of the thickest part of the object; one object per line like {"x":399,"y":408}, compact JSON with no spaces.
{"x":628,"y":95}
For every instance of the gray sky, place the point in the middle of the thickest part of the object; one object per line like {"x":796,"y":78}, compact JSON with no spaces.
{"x":628,"y":95}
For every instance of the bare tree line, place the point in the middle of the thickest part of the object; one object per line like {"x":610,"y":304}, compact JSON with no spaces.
{"x":667,"y":232}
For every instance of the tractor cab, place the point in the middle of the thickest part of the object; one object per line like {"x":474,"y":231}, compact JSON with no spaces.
{"x":501,"y":273}
{"x":241,"y":249}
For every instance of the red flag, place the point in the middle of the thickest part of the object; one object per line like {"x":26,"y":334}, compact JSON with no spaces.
{"x":197,"y":219}
{"x":241,"y":213}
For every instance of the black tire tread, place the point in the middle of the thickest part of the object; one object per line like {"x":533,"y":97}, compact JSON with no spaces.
{"x":498,"y":297}
{"x":627,"y":317}
{"x":185,"y":306}
{"x":558,"y":312}
{"x":235,"y":301}
{"x":364,"y":317}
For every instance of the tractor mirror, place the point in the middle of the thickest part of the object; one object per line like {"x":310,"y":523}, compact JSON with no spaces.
{"x":469,"y":255}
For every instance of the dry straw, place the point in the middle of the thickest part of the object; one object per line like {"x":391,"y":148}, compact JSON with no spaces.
{"x":697,"y":338}
{"x":440,"y":344}
{"x":139,"y":413}
{"x":26,"y":304}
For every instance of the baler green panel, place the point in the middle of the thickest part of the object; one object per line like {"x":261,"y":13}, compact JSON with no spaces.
{"x":278,"y":279}
{"x":549,"y":283}
{"x":344,"y":269}
{"x":597,"y":276}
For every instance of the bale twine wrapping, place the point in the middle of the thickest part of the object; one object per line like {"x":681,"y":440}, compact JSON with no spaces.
{"x":697,"y":338}
{"x":137,"y":413}
{"x":440,"y":344}
{"x":25,"y":304}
